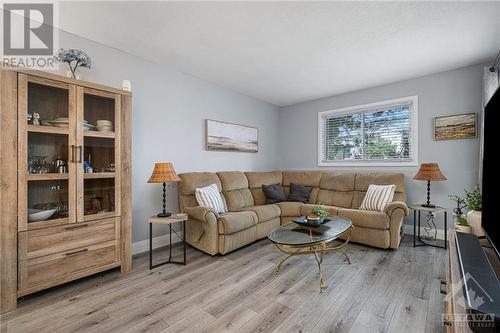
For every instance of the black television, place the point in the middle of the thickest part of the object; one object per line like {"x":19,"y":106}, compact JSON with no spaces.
{"x":490,"y":219}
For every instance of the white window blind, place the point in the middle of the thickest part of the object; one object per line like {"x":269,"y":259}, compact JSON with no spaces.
{"x":381,"y":133}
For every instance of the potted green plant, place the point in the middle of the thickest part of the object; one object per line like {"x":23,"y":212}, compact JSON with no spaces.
{"x":318,"y":213}
{"x":474,"y":200}
{"x":461,"y":223}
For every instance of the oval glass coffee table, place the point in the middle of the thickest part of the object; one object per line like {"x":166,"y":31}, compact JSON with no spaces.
{"x":295,"y":239}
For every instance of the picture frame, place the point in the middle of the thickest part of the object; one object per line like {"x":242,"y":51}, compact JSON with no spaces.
{"x":455,"y":127}
{"x":224,"y":136}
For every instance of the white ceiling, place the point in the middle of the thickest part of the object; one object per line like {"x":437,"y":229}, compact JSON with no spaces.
{"x":289,"y":52}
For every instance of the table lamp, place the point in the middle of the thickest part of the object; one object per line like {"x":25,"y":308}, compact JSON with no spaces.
{"x":164,"y":173}
{"x":429,"y":172}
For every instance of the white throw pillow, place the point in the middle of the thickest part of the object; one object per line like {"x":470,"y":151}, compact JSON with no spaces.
{"x":210,"y":197}
{"x":378,"y":197}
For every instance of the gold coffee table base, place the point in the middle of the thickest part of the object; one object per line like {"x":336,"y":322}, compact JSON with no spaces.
{"x":318,"y":249}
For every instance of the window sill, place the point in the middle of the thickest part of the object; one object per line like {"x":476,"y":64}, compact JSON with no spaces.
{"x":368,"y":164}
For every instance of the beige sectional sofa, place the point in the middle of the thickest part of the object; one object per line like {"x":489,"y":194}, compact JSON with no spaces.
{"x":249,"y":218}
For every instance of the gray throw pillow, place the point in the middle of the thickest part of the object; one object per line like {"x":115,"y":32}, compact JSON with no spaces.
{"x":274,"y":193}
{"x":299,"y":193}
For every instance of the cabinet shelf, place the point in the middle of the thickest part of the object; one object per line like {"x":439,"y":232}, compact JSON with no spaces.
{"x":48,"y":129}
{"x":47,"y":176}
{"x":96,"y":134}
{"x":97,"y":175}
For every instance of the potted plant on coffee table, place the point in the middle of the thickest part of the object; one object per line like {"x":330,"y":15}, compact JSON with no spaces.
{"x":318,"y":213}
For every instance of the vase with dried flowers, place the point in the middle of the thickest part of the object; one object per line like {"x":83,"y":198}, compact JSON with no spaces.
{"x":75,"y":59}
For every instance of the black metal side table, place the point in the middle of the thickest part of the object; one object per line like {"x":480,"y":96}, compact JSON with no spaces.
{"x":178,"y":218}
{"x":418,"y":240}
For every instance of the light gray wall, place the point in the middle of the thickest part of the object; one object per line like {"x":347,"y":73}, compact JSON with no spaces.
{"x":168,"y":113}
{"x":456,"y":91}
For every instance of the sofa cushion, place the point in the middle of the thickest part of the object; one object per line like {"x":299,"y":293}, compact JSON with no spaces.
{"x":306,"y":178}
{"x":193,"y":180}
{"x":366,"y":218}
{"x":265,"y":212}
{"x":363,"y":180}
{"x":378,"y":197}
{"x":299,"y":193}
{"x":336,"y":189}
{"x":257,"y":179}
{"x":190,"y":182}
{"x":210,"y":197}
{"x":235,"y":190}
{"x":236,"y":221}
{"x":290,"y":208}
{"x":305,"y":209}
{"x":274,"y":193}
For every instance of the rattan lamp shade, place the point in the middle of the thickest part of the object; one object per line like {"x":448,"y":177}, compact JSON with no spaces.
{"x":429,"y":171}
{"x":164,"y":173}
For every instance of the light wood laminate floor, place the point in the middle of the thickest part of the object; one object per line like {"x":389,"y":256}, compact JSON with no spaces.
{"x":381,"y":291}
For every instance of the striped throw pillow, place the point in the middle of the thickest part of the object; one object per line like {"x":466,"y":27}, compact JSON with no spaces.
{"x":210,"y":197}
{"x":378,"y":197}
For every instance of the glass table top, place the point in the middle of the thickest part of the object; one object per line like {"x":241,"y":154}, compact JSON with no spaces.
{"x":295,"y":234}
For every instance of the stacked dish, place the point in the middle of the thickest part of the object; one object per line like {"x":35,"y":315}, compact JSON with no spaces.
{"x":59,"y":122}
{"x":104,"y":125}
{"x":64,"y":122}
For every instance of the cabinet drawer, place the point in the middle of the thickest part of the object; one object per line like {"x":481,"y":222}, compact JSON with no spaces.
{"x":47,"y":241}
{"x":42,"y":272}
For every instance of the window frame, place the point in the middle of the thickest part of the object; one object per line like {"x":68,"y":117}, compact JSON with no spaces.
{"x":363,"y":108}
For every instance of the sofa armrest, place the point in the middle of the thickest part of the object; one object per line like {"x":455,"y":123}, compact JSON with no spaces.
{"x":202,"y":214}
{"x":201,"y":229}
{"x":394,"y":206}
{"x":397,"y":210}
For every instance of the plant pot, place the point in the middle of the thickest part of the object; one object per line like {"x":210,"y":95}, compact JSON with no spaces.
{"x":474,"y":220}
{"x":466,"y":229}
{"x":314,"y":220}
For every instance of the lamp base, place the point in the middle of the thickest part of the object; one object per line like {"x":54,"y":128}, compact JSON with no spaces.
{"x":164,"y":214}
{"x":428,"y":205}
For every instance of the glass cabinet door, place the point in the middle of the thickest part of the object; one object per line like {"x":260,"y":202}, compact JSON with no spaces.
{"x":98,"y":135}
{"x":46,"y":160}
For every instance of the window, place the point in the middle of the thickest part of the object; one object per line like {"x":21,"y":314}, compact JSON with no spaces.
{"x":377,"y":134}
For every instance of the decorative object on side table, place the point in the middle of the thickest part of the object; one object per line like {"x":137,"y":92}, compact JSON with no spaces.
{"x":177,"y":218}
{"x":457,"y":126}
{"x":461,"y":223}
{"x":429,"y":172}
{"x":164,"y":173}
{"x":75,"y":59}
{"x":472,"y":200}
{"x":418,"y":240}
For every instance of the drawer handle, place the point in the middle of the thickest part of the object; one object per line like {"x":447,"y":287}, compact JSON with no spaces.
{"x":442,"y":288}
{"x":76,"y":252}
{"x":76,"y":226}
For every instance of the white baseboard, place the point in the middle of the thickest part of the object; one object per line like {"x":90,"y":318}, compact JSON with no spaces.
{"x":159,"y":241}
{"x":409,"y":230}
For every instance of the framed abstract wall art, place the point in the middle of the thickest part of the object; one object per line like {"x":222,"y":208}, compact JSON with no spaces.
{"x":457,"y":126}
{"x":224,"y":136}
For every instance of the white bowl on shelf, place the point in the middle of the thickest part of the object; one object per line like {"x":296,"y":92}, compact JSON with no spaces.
{"x":104,"y":128}
{"x":35,"y":215}
{"x":103,"y":122}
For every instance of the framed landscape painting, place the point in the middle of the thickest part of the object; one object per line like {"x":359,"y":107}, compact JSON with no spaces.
{"x":231,"y":137}
{"x":459,"y":126}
